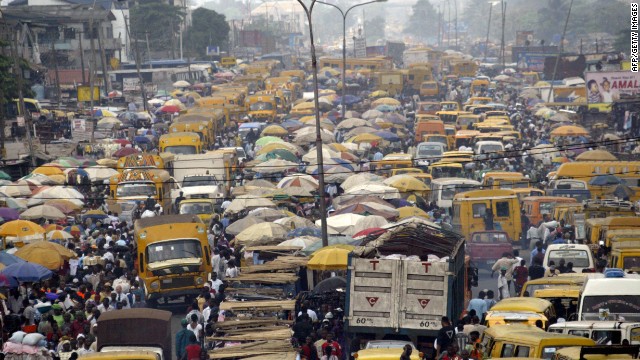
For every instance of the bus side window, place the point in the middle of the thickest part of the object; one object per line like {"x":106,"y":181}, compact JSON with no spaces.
{"x":479,"y":209}
{"x":523,"y":351}
{"x":502,"y":209}
{"x":507,"y":350}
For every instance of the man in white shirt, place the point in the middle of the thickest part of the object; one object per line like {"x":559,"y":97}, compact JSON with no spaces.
{"x":215,"y":282}
{"x":121,"y":297}
{"x":104,"y":307}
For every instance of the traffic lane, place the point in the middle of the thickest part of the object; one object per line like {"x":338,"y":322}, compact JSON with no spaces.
{"x":179,"y":312}
{"x":485,"y":281}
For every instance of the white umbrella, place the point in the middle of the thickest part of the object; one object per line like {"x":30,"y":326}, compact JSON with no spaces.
{"x":100,"y":173}
{"x":43,"y":212}
{"x":181,"y":84}
{"x":59,"y":192}
{"x":372,"y":114}
{"x":304,"y":181}
{"x":248,"y":202}
{"x":342,"y":224}
{"x":351,"y":123}
{"x":302,"y":241}
{"x":307,"y":135}
{"x":368,"y":222}
{"x":274,"y":166}
{"x":361,"y":178}
{"x":379,"y":190}
{"x":267,"y":214}
{"x":312,"y":155}
{"x":294,"y":222}
{"x":19,"y":188}
{"x":542,"y":151}
{"x":237,"y":227}
{"x":262,"y":234}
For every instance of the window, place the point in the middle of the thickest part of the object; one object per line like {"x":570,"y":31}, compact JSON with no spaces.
{"x":502,"y":209}
{"x":507,"y":350}
{"x":583,"y":333}
{"x":522,"y":351}
{"x":606,"y":337}
{"x":479,"y":210}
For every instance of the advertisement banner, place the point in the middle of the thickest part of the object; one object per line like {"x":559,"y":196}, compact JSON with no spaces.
{"x":608,"y":86}
{"x":84,"y":94}
{"x":523,"y":36}
{"x":79,"y":125}
{"x":532,"y":62}
{"x":360,"y":47}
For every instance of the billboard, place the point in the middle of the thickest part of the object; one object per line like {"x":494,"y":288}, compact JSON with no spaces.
{"x":522,"y":37}
{"x":532,"y":62}
{"x":608,"y":86}
{"x":84,"y":93}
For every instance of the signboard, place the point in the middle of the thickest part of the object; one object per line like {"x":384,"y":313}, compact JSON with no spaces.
{"x":517,"y":50}
{"x":361,"y":47}
{"x":20,"y":121}
{"x":532,"y":62}
{"x":79,"y":125}
{"x":133,"y":85}
{"x":84,"y":93}
{"x":608,"y":86}
{"x":523,"y":36}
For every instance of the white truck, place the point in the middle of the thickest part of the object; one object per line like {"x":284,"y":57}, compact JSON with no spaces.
{"x":403,"y":298}
{"x":203,"y":176}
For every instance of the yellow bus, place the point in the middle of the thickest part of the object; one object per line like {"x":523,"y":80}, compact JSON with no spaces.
{"x":180,"y":143}
{"x":629,"y":171}
{"x":596,"y":230}
{"x":482,"y":210}
{"x":373,"y":63}
{"x":162,"y":161}
{"x":228,"y":62}
{"x":136,"y":185}
{"x":504,"y":180}
{"x":173,"y":256}
{"x":262,"y":108}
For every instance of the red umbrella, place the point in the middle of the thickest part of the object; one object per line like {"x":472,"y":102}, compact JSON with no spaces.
{"x":122,"y":142}
{"x":376,"y":231}
{"x":170,"y":109}
{"x":125,"y":151}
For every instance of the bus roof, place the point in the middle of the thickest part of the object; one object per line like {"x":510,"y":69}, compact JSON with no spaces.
{"x":612,"y":286}
{"x":522,"y":304}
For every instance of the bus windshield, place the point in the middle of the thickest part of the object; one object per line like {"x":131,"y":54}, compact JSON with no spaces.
{"x":181,"y":149}
{"x":196,"y":208}
{"x":199,"y":180}
{"x":136,"y":189}
{"x":175,"y":249}
{"x":261,"y":106}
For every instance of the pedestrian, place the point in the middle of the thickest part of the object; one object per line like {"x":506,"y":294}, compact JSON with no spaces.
{"x":539,"y":251}
{"x":478,"y":304}
{"x":521,"y":275}
{"x":536,"y":271}
{"x":490,"y":299}
{"x":445,"y":336}
{"x":507,"y":261}
{"x":551,"y":271}
{"x":406,"y":352}
{"x":308,"y":350}
{"x":182,"y":338}
{"x":192,"y":350}
{"x":503,"y":286}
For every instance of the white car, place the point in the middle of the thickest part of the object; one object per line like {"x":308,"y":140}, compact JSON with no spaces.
{"x":578,"y":254}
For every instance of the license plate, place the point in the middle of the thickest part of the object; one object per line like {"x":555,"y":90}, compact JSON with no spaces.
{"x":167,"y":281}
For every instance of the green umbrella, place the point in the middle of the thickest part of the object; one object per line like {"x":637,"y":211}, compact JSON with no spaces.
{"x":4,"y":176}
{"x":67,"y":162}
{"x":282,"y":154}
{"x":267,"y":140}
{"x":333,"y":240}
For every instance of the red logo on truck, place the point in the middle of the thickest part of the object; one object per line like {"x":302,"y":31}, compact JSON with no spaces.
{"x":372,"y":300}
{"x":423,"y":302}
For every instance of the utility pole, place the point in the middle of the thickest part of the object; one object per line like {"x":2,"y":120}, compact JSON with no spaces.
{"x":439,"y":27}
{"x":103,"y":61}
{"x":486,"y":44}
{"x":502,"y":44}
{"x":55,"y":68}
{"x":92,"y":68}
{"x":22,"y":109}
{"x":146,"y":35}
{"x":142,"y":89}
{"x":82,"y":58}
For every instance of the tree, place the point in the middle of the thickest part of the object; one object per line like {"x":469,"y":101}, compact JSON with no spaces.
{"x":208,"y":28}
{"x":423,"y":22}
{"x":161,"y":21}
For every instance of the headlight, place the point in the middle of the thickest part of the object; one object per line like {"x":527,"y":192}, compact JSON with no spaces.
{"x":199,"y":280}
{"x":155,"y":285}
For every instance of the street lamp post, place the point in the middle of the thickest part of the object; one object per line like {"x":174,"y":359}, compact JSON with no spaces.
{"x":344,"y":45}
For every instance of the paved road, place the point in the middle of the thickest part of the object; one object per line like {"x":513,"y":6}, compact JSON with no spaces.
{"x":486,"y":282}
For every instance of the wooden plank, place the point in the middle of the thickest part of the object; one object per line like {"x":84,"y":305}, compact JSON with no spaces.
{"x":258,"y":305}
{"x":280,"y":334}
{"x":266,"y":278}
{"x":252,"y":322}
{"x":273,"y":248}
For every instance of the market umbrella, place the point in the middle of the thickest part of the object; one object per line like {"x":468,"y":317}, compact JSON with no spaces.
{"x":16,"y":189}
{"x":368,"y":222}
{"x":59,"y":235}
{"x":46,"y":253}
{"x":605,"y":180}
{"x":4,"y":176}
{"x":18,"y":204}
{"x":301,"y":241}
{"x":385,"y":101}
{"x":274,"y":130}
{"x":387,"y":135}
{"x":279,"y":144}
{"x":95,"y":214}
{"x":330,"y":285}
{"x":100,"y":173}
{"x":109,"y":121}
{"x":236,"y":227}
{"x":43,"y":212}
{"x":299,"y":180}
{"x":103,"y":112}
{"x":406,"y":183}
{"x":291,"y":124}
{"x":279,"y":154}
{"x":375,"y":231}
{"x":9,"y":214}
{"x":260,"y":183}
{"x":409,"y":211}
{"x":361,"y":178}
{"x":312,"y":230}
{"x":181,"y":84}
{"x":26,"y":272}
{"x":569,"y":130}
{"x":170,"y":109}
{"x":329,"y":259}
{"x":371,"y":114}
{"x":379,"y":190}
{"x":48,"y":170}
{"x":622,"y":191}
{"x":7,"y":259}
{"x":274,"y":166}
{"x":369,"y":209}
{"x":596,"y":155}
{"x":307,"y":135}
{"x":268,"y":214}
{"x":542,"y":151}
{"x":341,"y":224}
{"x":294,"y":222}
{"x":560,"y":117}
{"x":52,"y":227}
{"x":365,"y":138}
{"x":267,"y":140}
{"x":351,"y":123}
{"x":75,"y":230}
{"x":385,"y":108}
{"x":248,"y":202}
{"x":125,"y":151}
{"x":262,"y":234}
{"x":22,"y":230}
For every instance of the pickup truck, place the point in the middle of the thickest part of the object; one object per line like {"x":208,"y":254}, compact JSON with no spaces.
{"x":486,"y":247}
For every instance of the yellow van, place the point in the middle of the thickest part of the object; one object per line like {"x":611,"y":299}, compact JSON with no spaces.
{"x":600,"y":352}
{"x":528,"y":342}
{"x":470,"y":211}
{"x":497,"y":318}
{"x":522,"y":304}
{"x":560,"y":281}
{"x":122,"y":355}
{"x":465,"y":121}
{"x":564,"y":298}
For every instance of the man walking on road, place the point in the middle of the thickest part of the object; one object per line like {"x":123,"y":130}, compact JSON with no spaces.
{"x":506,"y":261}
{"x":182,"y":339}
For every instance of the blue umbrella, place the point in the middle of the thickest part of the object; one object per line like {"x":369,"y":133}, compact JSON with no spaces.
{"x":348,"y":100}
{"x":605,"y":180}
{"x":343,"y":163}
{"x":26,"y":272}
{"x":388,"y":135}
{"x":398,"y":203}
{"x":305,"y":231}
{"x":385,"y":108}
{"x":7,"y":259}
{"x":9,"y":214}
